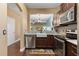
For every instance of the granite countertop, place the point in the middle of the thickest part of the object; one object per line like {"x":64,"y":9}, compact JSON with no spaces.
{"x":73,"y":41}
{"x":38,"y":34}
{"x":49,"y":33}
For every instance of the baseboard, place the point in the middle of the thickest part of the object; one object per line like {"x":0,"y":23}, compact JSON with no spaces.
{"x":14,"y":42}
{"x":22,"y":49}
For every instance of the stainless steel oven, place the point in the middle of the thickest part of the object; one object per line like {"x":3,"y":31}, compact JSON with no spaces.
{"x":60,"y":47}
{"x":71,"y":34}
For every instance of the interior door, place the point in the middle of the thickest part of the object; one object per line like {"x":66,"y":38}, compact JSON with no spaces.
{"x":10,"y":30}
{"x":3,"y":23}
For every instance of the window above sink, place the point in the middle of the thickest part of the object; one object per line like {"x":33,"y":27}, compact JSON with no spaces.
{"x":39,"y":18}
{"x":41,"y":22}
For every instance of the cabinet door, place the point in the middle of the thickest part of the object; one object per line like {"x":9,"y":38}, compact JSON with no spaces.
{"x":45,"y":42}
{"x":69,"y":5}
{"x":68,"y":49}
{"x":66,"y":6}
{"x":56,"y":20}
{"x":63,"y":7}
{"x":71,"y":49}
{"x":41,"y":42}
{"x":50,"y":41}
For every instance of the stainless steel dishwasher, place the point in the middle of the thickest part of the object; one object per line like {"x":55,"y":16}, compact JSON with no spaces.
{"x":30,"y":41}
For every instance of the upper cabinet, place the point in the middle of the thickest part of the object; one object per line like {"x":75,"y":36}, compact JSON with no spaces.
{"x":56,"y":21}
{"x":66,"y":15}
{"x":65,"y":6}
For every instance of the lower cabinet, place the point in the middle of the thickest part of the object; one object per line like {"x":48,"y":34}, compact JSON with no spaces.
{"x":45,"y":42}
{"x":60,"y":46}
{"x":71,"y":49}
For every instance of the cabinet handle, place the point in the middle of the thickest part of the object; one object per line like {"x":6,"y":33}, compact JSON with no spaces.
{"x":74,"y":47}
{"x":74,"y":53}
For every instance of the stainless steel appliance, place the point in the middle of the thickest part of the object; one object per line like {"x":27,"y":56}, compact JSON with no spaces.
{"x":29,"y":41}
{"x":60,"y":47}
{"x":63,"y":18}
{"x":68,"y":16}
{"x":71,"y":34}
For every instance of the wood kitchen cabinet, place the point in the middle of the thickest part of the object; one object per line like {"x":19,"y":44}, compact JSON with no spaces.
{"x":45,"y":42}
{"x":71,"y":49}
{"x":61,"y":17}
{"x":56,"y":21}
{"x":66,"y":6}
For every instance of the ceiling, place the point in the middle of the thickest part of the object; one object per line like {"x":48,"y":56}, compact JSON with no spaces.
{"x":14,"y":7}
{"x":42,"y":5}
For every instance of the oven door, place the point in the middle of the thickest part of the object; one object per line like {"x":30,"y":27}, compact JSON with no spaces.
{"x":71,"y":35}
{"x":60,"y":47}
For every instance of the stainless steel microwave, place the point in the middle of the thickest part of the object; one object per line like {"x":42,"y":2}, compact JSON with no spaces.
{"x":68,"y":16}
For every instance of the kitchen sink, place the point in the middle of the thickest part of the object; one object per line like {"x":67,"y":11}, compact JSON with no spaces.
{"x":41,"y":34}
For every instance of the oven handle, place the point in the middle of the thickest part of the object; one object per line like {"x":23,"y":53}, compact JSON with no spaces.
{"x":59,"y":39}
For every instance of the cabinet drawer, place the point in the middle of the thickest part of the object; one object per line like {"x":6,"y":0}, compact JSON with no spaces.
{"x":73,"y":53}
{"x":74,"y":49}
{"x":71,"y":49}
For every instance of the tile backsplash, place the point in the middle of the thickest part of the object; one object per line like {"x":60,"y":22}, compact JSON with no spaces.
{"x":72,"y":27}
{"x":62,"y":30}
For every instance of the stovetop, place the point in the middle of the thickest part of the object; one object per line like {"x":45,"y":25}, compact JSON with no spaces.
{"x":74,"y":41}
